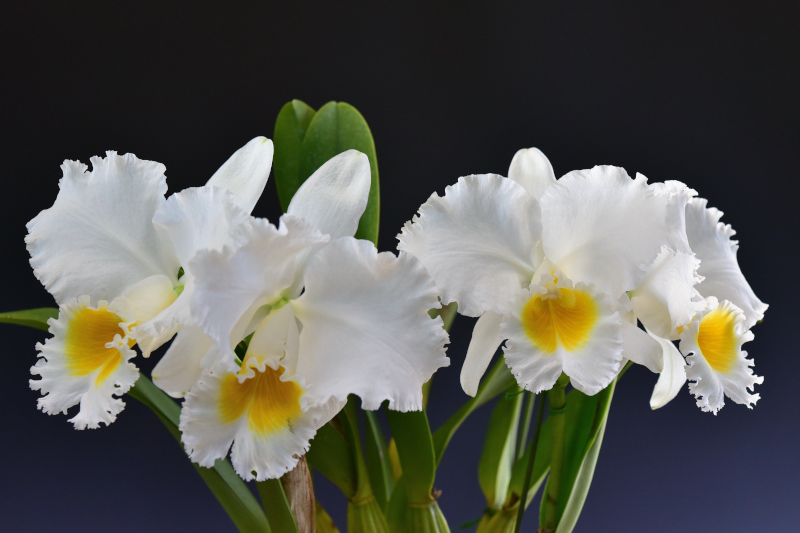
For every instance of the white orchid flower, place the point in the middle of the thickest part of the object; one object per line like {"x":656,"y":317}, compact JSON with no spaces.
{"x":329,"y":316}
{"x":546,"y":264}
{"x":111,"y":236}
{"x":719,"y":278}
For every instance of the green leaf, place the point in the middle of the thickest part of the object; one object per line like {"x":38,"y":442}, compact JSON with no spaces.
{"x":32,"y":318}
{"x":227,"y":486}
{"x":279,"y":512}
{"x":352,"y":433}
{"x":497,"y":459}
{"x":378,"y":464}
{"x":290,"y":130}
{"x":497,"y":380}
{"x":541,"y":464}
{"x":336,"y":128}
{"x":324,"y":521}
{"x":330,"y":454}
{"x":415,"y":448}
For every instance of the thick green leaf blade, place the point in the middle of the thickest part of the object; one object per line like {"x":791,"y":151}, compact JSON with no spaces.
{"x":498,"y":380}
{"x":336,"y":128}
{"x":290,"y":130}
{"x":497,"y":458}
{"x":225,"y":484}
{"x":279,"y":511}
{"x":31,"y":318}
{"x":415,"y":448}
{"x":541,"y":465}
{"x":378,"y":465}
{"x":330,"y":455}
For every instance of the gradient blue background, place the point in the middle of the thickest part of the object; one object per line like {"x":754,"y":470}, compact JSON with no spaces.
{"x":703,"y":92}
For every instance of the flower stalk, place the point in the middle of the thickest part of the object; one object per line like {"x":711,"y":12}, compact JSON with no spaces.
{"x":557,"y":408}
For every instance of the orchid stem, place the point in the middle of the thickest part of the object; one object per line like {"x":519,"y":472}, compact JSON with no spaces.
{"x":558,"y":403}
{"x":529,"y":472}
{"x":526,"y":426}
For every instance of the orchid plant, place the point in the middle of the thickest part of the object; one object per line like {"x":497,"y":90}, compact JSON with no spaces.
{"x":278,"y":332}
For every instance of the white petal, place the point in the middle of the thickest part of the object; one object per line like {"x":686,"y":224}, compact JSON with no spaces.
{"x":148,"y":297}
{"x":713,"y":370}
{"x":269,"y":339}
{"x":678,"y":195}
{"x":86,"y":362}
{"x":666,"y":298}
{"x":711,"y":241}
{"x":180,"y":367}
{"x":246,"y":172}
{"x":334,"y":197}
{"x":98,"y":238}
{"x":232,"y":284}
{"x":640,"y":348}
{"x":603,"y":217}
{"x":671,"y":378}
{"x":477,"y":242}
{"x":366,"y":328}
{"x":155,"y":332}
{"x":531,"y":169}
{"x":482,"y":347}
{"x":591,"y":362}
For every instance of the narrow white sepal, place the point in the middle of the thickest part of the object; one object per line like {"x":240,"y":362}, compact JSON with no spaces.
{"x":482,"y":347}
{"x":531,"y":169}
{"x":246,"y":172}
{"x":672,"y":377}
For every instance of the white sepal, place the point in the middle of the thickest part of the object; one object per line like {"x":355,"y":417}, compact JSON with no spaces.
{"x":478,"y":242}
{"x":365,"y":327}
{"x":640,"y":348}
{"x":180,"y":367}
{"x":677,"y":195}
{"x":531,"y":169}
{"x":672,"y":377}
{"x":482,"y":346}
{"x":246,"y":172}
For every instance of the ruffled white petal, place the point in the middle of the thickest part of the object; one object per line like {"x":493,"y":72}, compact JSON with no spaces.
{"x":98,"y":238}
{"x":269,"y":338}
{"x":671,"y":378}
{"x":365,"y":327}
{"x":334,"y":197}
{"x":231,"y":285}
{"x":181,"y":365}
{"x":531,"y":169}
{"x":78,"y":367}
{"x":709,"y":380}
{"x":711,"y":240}
{"x":678,"y":195}
{"x":666,"y":298}
{"x":600,"y":226}
{"x":148,"y":297}
{"x":640,"y":348}
{"x":478,"y":242}
{"x":485,"y":340}
{"x":591,"y":366}
{"x":246,"y":172}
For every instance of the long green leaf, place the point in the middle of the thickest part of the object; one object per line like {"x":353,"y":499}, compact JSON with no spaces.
{"x":290,"y":130}
{"x":336,"y":128}
{"x":541,"y":464}
{"x":225,"y":484}
{"x":279,"y":512}
{"x":415,"y":448}
{"x":330,"y":454}
{"x":498,"y":380}
{"x":497,"y":459}
{"x":32,"y":318}
{"x":378,"y":464}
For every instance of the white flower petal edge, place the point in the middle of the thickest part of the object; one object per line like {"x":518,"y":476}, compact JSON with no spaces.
{"x":478,"y":241}
{"x":258,"y":412}
{"x":666,"y":298}
{"x":716,"y":363}
{"x":672,"y":377}
{"x":86,"y":362}
{"x":246,"y":172}
{"x":486,"y":338}
{"x":365,"y":327}
{"x":640,"y":348}
{"x":335,"y":196}
{"x":678,"y":195}
{"x":556,"y":328}
{"x":711,"y":240}
{"x":531,"y":169}
{"x":603,"y":217}
{"x":98,"y":236}
{"x":181,"y":366}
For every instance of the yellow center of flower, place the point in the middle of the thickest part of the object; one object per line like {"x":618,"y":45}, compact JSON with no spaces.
{"x":85,"y":343}
{"x":269,"y":403}
{"x":566,"y":319}
{"x":717,"y":339}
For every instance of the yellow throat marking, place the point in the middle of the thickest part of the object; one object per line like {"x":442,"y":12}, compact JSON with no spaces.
{"x":567,"y":320}
{"x":85,"y":343}
{"x":716,"y":339}
{"x":269,"y":403}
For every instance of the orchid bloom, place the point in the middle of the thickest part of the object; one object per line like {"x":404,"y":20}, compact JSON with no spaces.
{"x":326,"y":316}
{"x":547,"y":264}
{"x":712,"y":337}
{"x":110,"y":250}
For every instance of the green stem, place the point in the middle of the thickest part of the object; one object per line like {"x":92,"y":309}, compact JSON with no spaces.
{"x":526,"y":425}
{"x":557,"y":408}
{"x":529,"y":473}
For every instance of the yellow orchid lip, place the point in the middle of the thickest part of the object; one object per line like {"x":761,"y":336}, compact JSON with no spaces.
{"x":563,"y":317}
{"x":717,"y":339}
{"x":85,"y":342}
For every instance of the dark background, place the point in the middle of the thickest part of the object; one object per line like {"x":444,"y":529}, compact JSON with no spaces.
{"x":703,"y":92}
